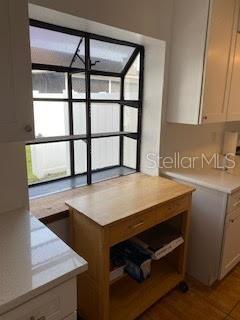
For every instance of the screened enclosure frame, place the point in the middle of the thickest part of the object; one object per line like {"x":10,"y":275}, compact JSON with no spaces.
{"x":88,"y":71}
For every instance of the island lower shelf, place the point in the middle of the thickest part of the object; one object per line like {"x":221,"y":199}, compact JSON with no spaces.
{"x":129,"y":298}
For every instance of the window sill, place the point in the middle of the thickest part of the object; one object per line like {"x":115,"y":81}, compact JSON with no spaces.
{"x":51,"y":207}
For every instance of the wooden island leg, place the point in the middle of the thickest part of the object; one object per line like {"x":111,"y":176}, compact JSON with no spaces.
{"x":186,"y":216}
{"x":89,"y":241}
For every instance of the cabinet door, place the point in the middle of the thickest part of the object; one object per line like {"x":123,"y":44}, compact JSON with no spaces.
{"x":234,"y":96}
{"x":199,"y":62}
{"x":16,"y":111}
{"x":231,"y":244}
{"x":219,"y":39}
{"x":56,"y":304}
{"x":190,"y":21}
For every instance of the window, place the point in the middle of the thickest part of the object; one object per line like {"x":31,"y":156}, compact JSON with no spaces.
{"x":87,"y":92}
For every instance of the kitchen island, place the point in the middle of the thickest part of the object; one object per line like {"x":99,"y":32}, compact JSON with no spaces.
{"x":102,"y":220}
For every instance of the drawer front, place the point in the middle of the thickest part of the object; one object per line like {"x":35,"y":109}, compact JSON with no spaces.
{"x":233,"y":201}
{"x":55,"y":304}
{"x":172,"y":209}
{"x":141,"y":222}
{"x":132,"y":226}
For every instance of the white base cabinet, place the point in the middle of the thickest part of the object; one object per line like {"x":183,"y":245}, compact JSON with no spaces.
{"x":206,"y":234}
{"x":231,"y":239}
{"x":59,"y":303}
{"x":214,"y":240}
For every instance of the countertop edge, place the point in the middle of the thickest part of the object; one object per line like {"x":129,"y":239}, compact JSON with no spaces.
{"x":9,"y":306}
{"x":110,"y":223}
{"x":28,"y":295}
{"x":199,"y":182}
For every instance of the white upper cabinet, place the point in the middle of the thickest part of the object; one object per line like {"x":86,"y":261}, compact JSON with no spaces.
{"x":233,"y":93}
{"x":234,"y":97}
{"x":200,"y":52}
{"x":16,"y":111}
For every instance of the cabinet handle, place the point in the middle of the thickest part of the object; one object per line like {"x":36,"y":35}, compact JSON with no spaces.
{"x":137,"y":225}
{"x":204,"y":117}
{"x":28,"y":128}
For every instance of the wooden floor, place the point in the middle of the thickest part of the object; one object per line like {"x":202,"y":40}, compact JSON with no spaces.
{"x":222,"y":301}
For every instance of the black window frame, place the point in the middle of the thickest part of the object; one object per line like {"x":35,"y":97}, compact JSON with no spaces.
{"x":138,"y":104}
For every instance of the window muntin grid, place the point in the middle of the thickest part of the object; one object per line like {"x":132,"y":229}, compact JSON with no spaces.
{"x":80,"y":98}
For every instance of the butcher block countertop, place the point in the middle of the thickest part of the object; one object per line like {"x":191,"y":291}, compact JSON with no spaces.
{"x":123,"y":200}
{"x":52,"y":207}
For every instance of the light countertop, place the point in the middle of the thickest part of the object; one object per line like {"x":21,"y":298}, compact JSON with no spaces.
{"x":32,"y":259}
{"x":208,"y":177}
{"x":123,"y":200}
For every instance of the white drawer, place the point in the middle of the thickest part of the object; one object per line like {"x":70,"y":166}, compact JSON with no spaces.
{"x":55,"y":304}
{"x":233,"y":201}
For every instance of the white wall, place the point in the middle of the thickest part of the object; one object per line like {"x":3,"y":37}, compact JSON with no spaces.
{"x":13,"y":180}
{"x":151,"y":19}
{"x":154,"y":59}
{"x":194,"y":140}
